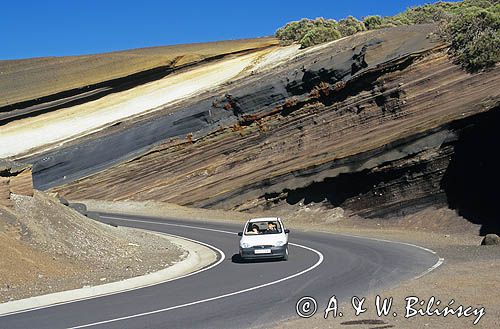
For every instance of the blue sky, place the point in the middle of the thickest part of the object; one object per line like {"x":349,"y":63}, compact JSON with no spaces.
{"x":74,"y":27}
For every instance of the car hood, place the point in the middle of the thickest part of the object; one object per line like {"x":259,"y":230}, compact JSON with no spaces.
{"x":263,"y":239}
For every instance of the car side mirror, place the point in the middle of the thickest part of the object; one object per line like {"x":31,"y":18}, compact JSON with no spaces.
{"x":287,"y":231}
{"x":240,"y":233}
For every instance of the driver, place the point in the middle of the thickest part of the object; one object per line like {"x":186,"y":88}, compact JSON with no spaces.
{"x":271,"y":227}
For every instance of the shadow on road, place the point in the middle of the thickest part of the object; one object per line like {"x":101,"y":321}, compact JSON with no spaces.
{"x":236,"y":258}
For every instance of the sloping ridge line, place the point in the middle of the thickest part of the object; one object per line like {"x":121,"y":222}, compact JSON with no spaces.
{"x":95,"y":91}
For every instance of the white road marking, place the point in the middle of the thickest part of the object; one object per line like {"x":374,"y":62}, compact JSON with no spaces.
{"x":430,"y":269}
{"x":320,"y":260}
{"x":168,"y":224}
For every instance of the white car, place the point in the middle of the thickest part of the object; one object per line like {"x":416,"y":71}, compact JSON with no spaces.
{"x":264,"y":238}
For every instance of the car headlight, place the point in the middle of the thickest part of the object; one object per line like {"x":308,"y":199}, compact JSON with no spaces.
{"x":280,"y":243}
{"x":244,"y":245}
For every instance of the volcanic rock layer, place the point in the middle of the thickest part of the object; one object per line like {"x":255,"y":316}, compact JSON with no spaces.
{"x":381,"y":123}
{"x":14,"y":178}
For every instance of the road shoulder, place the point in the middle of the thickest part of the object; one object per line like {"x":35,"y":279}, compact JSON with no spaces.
{"x":198,"y":257}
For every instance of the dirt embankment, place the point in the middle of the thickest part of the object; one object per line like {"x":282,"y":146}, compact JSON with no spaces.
{"x":48,"y":247}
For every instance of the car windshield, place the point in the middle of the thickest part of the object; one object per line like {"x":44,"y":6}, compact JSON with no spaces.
{"x":263,"y":227}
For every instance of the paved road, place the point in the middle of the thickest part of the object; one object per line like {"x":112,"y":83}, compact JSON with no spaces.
{"x":239,"y":295}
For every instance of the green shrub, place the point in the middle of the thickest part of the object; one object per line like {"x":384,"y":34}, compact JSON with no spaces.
{"x":478,"y":3}
{"x":372,"y":22}
{"x":295,"y":31}
{"x":471,"y":27}
{"x":328,"y":23}
{"x":475,"y":37}
{"x":319,"y":35}
{"x":350,"y":26}
{"x":430,"y":13}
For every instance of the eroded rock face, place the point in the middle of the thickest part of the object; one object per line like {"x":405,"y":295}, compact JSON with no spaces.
{"x":456,"y":168}
{"x":5,"y":192}
{"x":371,"y":123}
{"x":304,"y":80}
{"x":14,"y":178}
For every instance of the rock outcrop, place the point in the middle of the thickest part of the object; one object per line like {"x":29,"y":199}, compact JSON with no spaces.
{"x":14,"y":178}
{"x":297,"y":82}
{"x":42,"y":84}
{"x":491,"y":240}
{"x":381,"y":123}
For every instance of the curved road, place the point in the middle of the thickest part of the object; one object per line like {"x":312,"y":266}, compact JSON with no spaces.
{"x":240,"y":295}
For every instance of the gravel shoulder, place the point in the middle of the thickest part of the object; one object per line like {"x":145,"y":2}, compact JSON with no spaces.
{"x":468,"y":275}
{"x":48,"y":247}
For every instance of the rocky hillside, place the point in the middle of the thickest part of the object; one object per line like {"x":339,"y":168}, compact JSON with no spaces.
{"x":38,"y":85}
{"x":48,"y":247}
{"x":380,"y":123}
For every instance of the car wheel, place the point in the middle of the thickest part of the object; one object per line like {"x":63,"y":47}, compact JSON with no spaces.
{"x":285,"y":258}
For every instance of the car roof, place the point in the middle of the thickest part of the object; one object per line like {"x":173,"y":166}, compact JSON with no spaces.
{"x":263,"y":219}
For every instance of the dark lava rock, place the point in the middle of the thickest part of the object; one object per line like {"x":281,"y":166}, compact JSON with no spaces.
{"x":63,"y":201}
{"x":491,"y":239}
{"x":80,"y":207}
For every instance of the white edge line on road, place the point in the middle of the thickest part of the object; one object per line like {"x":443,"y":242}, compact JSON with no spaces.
{"x":320,"y":260}
{"x":222,"y":257}
{"x":168,"y":224}
{"x":439,"y":262}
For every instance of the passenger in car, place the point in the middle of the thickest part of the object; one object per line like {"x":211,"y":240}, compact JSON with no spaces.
{"x":254,"y":229}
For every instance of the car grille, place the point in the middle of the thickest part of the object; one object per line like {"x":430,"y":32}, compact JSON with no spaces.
{"x":262,"y":246}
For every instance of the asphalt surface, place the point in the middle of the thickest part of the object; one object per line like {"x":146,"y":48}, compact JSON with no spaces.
{"x":240,"y":295}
